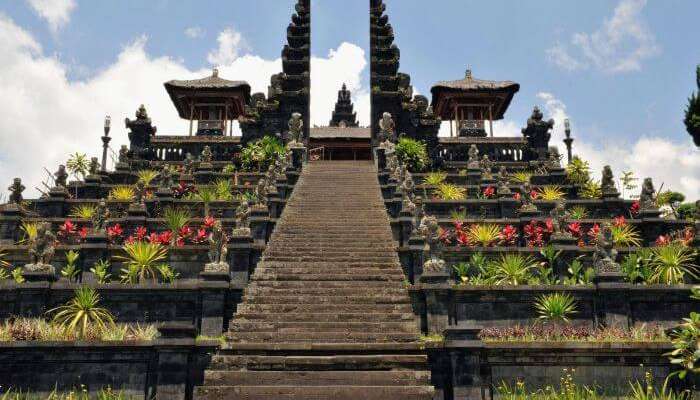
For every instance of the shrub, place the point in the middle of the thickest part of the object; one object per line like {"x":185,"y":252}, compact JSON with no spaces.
{"x":555,"y":307}
{"x":578,"y":172}
{"x":511,"y":269}
{"x":78,"y":165}
{"x":141,"y":261}
{"x":229,"y":169}
{"x":626,"y":235}
{"x":578,"y":212}
{"x":412,"y":153}
{"x":260,"y":154}
{"x":71,"y":271}
{"x":101,"y":271}
{"x":670,"y":264}
{"x":176,"y":218}
{"x":483,"y":234}
{"x":82,"y":313}
{"x":591,"y":190}
{"x":448,"y":191}
{"x":462,"y":271}
{"x":520,"y":177}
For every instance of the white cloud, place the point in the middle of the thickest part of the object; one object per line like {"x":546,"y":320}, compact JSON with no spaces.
{"x":621,"y":44}
{"x":51,"y":116}
{"x":194,"y":32}
{"x":231,"y":43}
{"x":55,"y":12}
{"x":675,"y":165}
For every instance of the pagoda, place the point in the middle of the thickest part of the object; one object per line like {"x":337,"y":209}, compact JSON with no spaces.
{"x":469,"y":103}
{"x":213,"y":102}
{"x":343,"y":115}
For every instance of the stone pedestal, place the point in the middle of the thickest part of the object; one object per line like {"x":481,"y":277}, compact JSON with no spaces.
{"x":509,"y":207}
{"x":10,"y":221}
{"x":174,"y":348}
{"x":239,"y":254}
{"x":406,"y":219}
{"x":527,"y":214}
{"x":204,"y":174}
{"x":473,"y":176}
{"x":437,"y":291}
{"x":213,"y":286}
{"x":416,"y":245}
{"x":259,"y":220}
{"x":39,"y":273}
{"x":94,"y":249}
{"x":298,"y":157}
{"x":380,"y":158}
{"x":54,"y":205}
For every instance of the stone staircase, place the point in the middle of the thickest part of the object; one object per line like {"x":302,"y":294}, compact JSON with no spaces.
{"x":326,"y":315}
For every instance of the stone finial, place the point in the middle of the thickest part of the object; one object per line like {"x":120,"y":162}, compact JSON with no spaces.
{"x":473,"y":160}
{"x":261,"y":193}
{"x":217,"y":245}
{"x":16,"y":190}
{"x":123,"y":154}
{"x":139,"y":192}
{"x":166,"y":178}
{"x":41,"y":250}
{"x":554,"y":161}
{"x":188,"y":164}
{"x":486,"y":166}
{"x":503,"y":189}
{"x":94,"y":166}
{"x":242,"y":227}
{"x":559,"y":217}
{"x":537,"y":132}
{"x":607,"y":183}
{"x":387,"y":127}
{"x":647,"y":198}
{"x":430,"y":230}
{"x":61,"y":177}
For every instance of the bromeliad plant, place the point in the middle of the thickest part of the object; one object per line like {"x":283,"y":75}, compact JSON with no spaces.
{"x":82,"y":313}
{"x":101,"y":272}
{"x":141,"y":261}
{"x":448,"y":191}
{"x":122,"y":193}
{"x":672,"y":264}
{"x":435,"y":178}
{"x":550,"y":193}
{"x":511,"y":269}
{"x":83,"y":211}
{"x":556,"y":307}
{"x":146,"y":176}
{"x":71,"y":270}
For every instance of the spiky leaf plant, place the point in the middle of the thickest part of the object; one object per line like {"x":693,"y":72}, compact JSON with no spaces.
{"x":556,"y":307}
{"x":578,"y":172}
{"x":83,"y":211}
{"x":591,"y":190}
{"x":71,"y":271}
{"x":520,"y":177}
{"x":511,"y":269}
{"x":141,"y":261}
{"x":435,"y":178}
{"x":483,"y":234}
{"x":578,"y":212}
{"x":122,"y":193}
{"x":146,"y":176}
{"x":78,"y":165}
{"x":626,"y":235}
{"x":176,"y":218}
{"x":82,"y":313}
{"x":448,"y":191}
{"x":550,"y":193}
{"x":412,"y":153}
{"x":672,"y":263}
{"x":101,"y":271}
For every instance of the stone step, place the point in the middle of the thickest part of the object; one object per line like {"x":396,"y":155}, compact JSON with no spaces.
{"x":315,"y":392}
{"x":242,"y":325}
{"x":280,"y":276}
{"x":327,"y":317}
{"x":320,"y":257}
{"x":327,"y":337}
{"x":339,"y":269}
{"x":281,"y":299}
{"x":351,"y":255}
{"x":324,"y":308}
{"x":320,"y":291}
{"x":317,"y":378}
{"x":372,"y":285}
{"x":231,"y":360}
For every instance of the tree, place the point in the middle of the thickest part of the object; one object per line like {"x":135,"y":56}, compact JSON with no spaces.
{"x":692,"y":113}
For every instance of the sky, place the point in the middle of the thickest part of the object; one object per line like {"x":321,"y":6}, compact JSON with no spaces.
{"x":620,"y":70}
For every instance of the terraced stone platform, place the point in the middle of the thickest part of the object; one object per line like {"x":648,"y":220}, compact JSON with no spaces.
{"x":326,"y":315}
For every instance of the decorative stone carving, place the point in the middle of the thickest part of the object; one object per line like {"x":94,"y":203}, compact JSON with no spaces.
{"x":605,"y":255}
{"x":206,"y":155}
{"x":188,"y":164}
{"x":123,"y":154}
{"x":647,"y":198}
{"x":166,"y":178}
{"x":537,"y":133}
{"x":559,"y":217}
{"x":503,"y":189}
{"x":526,"y":202}
{"x":486,"y":166}
{"x":140,"y":133}
{"x":242,"y":227}
{"x":99,"y":218}
{"x":61,"y":177}
{"x":261,"y":193}
{"x":41,"y":250}
{"x":16,"y":190}
{"x":607,"y":184}
{"x":387,"y":128}
{"x":554,"y":161}
{"x":217,"y":250}
{"x":94,"y":166}
{"x":430,"y":230}
{"x":139,"y":192}
{"x":473,"y":161}
{"x":296,"y":127}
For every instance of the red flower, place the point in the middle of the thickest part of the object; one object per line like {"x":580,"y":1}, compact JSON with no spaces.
{"x":534,"y":234}
{"x":575,"y":229}
{"x":594,"y":232}
{"x":549,"y":224}
{"x":445,"y":236}
{"x":185,"y":232}
{"x":663,"y":240}
{"x":619,"y":221}
{"x":154,"y":238}
{"x":463,"y":239}
{"x":141,"y":233}
{"x":508,"y":235}
{"x":179,"y":242}
{"x":115,"y":231}
{"x":201,"y":236}
{"x":129,"y":240}
{"x":489,"y":192}
{"x":517,"y":196}
{"x":634,"y":208}
{"x":209,"y":222}
{"x":165,"y":238}
{"x":534,"y":195}
{"x":83,"y":232}
{"x":68,"y":228}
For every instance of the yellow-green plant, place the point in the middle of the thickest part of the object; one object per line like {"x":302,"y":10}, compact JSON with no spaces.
{"x":82,"y":313}
{"x":29,"y":231}
{"x":670,"y":264}
{"x":223,"y":188}
{"x":146,"y":176}
{"x":462,"y":271}
{"x":435,"y":178}
{"x":17,"y":275}
{"x":483,"y":234}
{"x":555,"y":307}
{"x":448,"y":191}
{"x":591,"y":190}
{"x":141,"y":261}
{"x":626,"y":235}
{"x":578,"y":212}
{"x":511,"y":269}
{"x":176,"y":218}
{"x":101,"y":271}
{"x":520,"y":177}
{"x":550,"y":193}
{"x":122,"y":193}
{"x":84,"y":211}
{"x":71,"y":271}
{"x":578,"y":171}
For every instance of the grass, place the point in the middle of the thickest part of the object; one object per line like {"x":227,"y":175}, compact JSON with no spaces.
{"x":432,"y":338}
{"x":539,"y":332}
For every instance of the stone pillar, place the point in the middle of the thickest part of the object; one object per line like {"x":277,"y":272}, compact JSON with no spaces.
{"x":54,"y":205}
{"x":174,"y":347}
{"x":273,"y":205}
{"x":259,"y":220}
{"x":298,"y":157}
{"x":437,"y":300}
{"x":416,"y":245}
{"x":213,"y":287}
{"x":508,"y":207}
{"x":204,"y":173}
{"x":611,"y":302}
{"x":239,"y":257}
{"x":92,"y":188}
{"x":405,"y":227}
{"x":10,"y":222}
{"x":470,"y":375}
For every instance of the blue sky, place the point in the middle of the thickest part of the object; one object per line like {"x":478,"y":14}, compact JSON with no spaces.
{"x":621,"y":70}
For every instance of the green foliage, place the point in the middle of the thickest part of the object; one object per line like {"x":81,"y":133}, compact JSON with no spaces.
{"x":223,"y":188}
{"x":628,"y":182}
{"x":84,"y":211}
{"x":483,"y":235}
{"x":692,"y":112}
{"x":669,"y":198}
{"x":176,"y":218}
{"x":686,"y":345}
{"x":646,"y":391}
{"x":146,"y":176}
{"x":29,"y":230}
{"x":258,"y":155}
{"x":101,"y":271}
{"x":520,"y":177}
{"x":71,"y":270}
{"x":448,"y":191}
{"x":413,"y":154}
{"x":78,"y":164}
{"x":550,"y":193}
{"x":167,"y":273}
{"x":229,"y":169}
{"x":636,"y":266}
{"x":511,"y":269}
{"x":626,"y":235}
{"x":545,"y":269}
{"x":458,"y":215}
{"x":435,"y":178}
{"x":17,"y":275}
{"x":462,"y":271}
{"x":686,"y":211}
{"x":82,"y":312}
{"x":591,"y":190}
{"x":578,"y":172}
{"x":141,"y":261}
{"x":672,"y":263}
{"x":578,"y":275}
{"x":578,"y":212}
{"x":556,"y":307}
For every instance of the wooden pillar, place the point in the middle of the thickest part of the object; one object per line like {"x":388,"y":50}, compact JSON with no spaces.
{"x":191,"y":115}
{"x":491,"y":119}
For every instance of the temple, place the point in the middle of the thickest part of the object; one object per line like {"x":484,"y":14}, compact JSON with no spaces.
{"x":395,"y":261}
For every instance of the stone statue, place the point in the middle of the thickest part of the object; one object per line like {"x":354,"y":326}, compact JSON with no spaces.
{"x":647,"y":198}
{"x":139,"y":192}
{"x":141,"y":130}
{"x":61,"y":177}
{"x":242,"y":227}
{"x":387,"y":128}
{"x":537,"y":133}
{"x":559,"y":217}
{"x":554,"y":161}
{"x":430,"y":230}
{"x":166,"y":178}
{"x":123,"y":154}
{"x":503,"y":189}
{"x":486,"y":165}
{"x":206,"y":155}
{"x":261,"y":193}
{"x":408,"y":184}
{"x":217,"y":250}
{"x":607,"y":184}
{"x":94,"y":166}
{"x":605,"y":255}
{"x":41,"y":250}
{"x":188,"y":164}
{"x":473,"y":161}
{"x":526,"y":201}
{"x":418,"y":214}
{"x":296,"y":127}
{"x":99,"y":217}
{"x":16,"y":190}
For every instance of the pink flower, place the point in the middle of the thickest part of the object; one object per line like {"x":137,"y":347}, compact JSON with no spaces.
{"x":165,"y":238}
{"x":115,"y":231}
{"x":209,"y":222}
{"x":141,"y":233}
{"x":575,"y":229}
{"x":517,"y":196}
{"x":594,"y":232}
{"x":489,"y":192}
{"x":663,"y":240}
{"x":619,"y":221}
{"x":508,"y":235}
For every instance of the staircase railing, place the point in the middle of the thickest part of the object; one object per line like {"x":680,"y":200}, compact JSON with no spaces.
{"x":318,"y":153}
